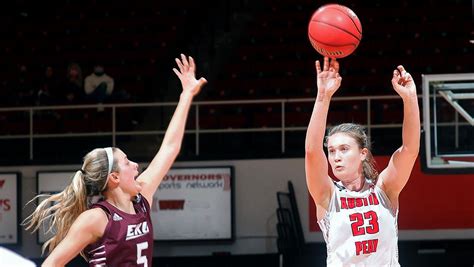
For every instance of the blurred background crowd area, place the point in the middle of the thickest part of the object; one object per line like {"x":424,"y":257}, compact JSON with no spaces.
{"x":73,"y":52}
{"x":246,"y":49}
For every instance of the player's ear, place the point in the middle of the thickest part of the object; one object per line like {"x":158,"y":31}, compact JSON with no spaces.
{"x":114,"y":178}
{"x":363,"y":153}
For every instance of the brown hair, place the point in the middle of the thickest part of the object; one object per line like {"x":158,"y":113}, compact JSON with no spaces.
{"x":357,"y":132}
{"x":61,"y":210}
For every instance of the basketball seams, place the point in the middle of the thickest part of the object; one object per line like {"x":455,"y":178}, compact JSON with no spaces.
{"x":329,"y":23}
{"x":339,"y":28}
{"x":355,"y":24}
{"x":332,"y":45}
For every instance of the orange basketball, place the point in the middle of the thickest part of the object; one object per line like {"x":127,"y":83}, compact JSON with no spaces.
{"x":334,"y":31}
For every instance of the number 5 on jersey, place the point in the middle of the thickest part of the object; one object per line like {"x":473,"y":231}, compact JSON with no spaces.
{"x":141,"y":259}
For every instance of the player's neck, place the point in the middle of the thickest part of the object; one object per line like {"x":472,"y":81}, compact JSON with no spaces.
{"x":354,"y":185}
{"x":122,"y":203}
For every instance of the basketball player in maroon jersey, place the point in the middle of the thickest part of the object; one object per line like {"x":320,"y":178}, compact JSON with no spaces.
{"x":116,"y":231}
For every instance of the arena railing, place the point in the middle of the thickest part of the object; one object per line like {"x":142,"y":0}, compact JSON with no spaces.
{"x":283,"y":129}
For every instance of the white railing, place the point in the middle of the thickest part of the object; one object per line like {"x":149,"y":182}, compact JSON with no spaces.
{"x":197,"y":131}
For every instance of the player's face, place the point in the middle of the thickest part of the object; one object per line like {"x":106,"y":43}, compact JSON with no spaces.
{"x":345,"y":156}
{"x":128,"y":173}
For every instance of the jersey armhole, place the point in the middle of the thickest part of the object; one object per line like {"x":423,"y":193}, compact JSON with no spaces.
{"x":393,"y":208}
{"x":107,"y":227}
{"x":331,"y":203}
{"x":141,"y":205}
{"x":104,"y":209}
{"x":145,"y":202}
{"x":109,"y":219}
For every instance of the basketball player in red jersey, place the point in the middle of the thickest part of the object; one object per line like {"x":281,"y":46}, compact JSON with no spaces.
{"x":116,"y":231}
{"x":358,"y":214}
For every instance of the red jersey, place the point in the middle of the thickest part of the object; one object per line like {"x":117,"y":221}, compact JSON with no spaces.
{"x":127,"y":239}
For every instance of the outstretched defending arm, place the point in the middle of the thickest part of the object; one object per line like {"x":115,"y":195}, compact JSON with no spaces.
{"x":161,"y":163}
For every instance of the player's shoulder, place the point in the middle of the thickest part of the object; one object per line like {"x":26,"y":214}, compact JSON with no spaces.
{"x":92,"y":220}
{"x":95,"y":213}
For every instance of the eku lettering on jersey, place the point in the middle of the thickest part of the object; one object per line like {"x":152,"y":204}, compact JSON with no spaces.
{"x":137,"y":230}
{"x":127,"y":239}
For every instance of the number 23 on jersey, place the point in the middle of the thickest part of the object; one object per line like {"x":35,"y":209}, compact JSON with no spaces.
{"x":365,"y":224}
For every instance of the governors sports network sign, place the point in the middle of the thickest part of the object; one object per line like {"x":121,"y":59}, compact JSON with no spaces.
{"x":194,"y":203}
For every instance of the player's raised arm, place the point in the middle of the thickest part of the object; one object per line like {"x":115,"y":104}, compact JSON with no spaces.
{"x":395,"y":176}
{"x":317,"y":179}
{"x":161,"y":163}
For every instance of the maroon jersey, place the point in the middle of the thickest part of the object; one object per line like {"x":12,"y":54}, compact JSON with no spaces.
{"x":127,"y":239}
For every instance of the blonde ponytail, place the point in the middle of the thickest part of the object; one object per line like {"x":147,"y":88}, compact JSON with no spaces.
{"x":59,"y":211}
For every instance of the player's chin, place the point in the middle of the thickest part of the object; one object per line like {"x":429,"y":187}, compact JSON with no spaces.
{"x":339,"y":174}
{"x":138,"y":187}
